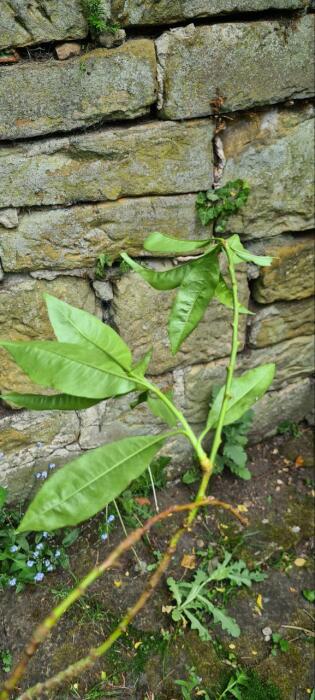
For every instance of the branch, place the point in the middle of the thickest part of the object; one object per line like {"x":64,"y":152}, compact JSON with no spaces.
{"x":44,"y":629}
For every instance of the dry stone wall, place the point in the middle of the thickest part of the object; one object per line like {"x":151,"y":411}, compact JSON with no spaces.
{"x":98,"y":150}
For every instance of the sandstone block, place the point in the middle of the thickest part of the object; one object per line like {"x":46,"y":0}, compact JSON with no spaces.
{"x":293,"y":403}
{"x":30,"y":442}
{"x":141,"y":313}
{"x":156,"y":158}
{"x":23,"y":316}
{"x":68,"y":50}
{"x":43,"y":97}
{"x":281,"y":321}
{"x":274,"y":151}
{"x":73,"y":237}
{"x":23,"y":23}
{"x":294,"y":361}
{"x":133,"y":12}
{"x":246,"y":64}
{"x":291,"y":275}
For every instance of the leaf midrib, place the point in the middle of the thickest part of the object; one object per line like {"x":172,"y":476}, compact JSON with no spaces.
{"x":92,"y":342}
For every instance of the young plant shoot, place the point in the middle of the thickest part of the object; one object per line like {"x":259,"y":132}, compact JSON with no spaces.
{"x":89,"y":363}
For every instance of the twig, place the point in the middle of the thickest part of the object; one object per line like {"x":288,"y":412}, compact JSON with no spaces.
{"x":44,"y":629}
{"x":153,"y":490}
{"x":309,"y":633}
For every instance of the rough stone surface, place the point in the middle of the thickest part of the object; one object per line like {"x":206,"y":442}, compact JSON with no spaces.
{"x":274,"y":151}
{"x":68,"y":238}
{"x":100,"y":85}
{"x":35,"y":21}
{"x":163,"y":11}
{"x":156,"y":158}
{"x":68,"y":50}
{"x":30,"y":441}
{"x":282,"y":321}
{"x":293,"y":403}
{"x":291,"y":275}
{"x":23,"y":316}
{"x":141,"y":313}
{"x":246,"y":64}
{"x":8,"y":218}
{"x":294,"y":361}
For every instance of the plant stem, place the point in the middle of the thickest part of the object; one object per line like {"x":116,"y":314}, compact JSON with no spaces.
{"x":153,"y":490}
{"x":126,"y":533}
{"x":44,"y":629}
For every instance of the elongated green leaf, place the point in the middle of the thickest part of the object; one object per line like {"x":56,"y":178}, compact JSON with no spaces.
{"x":245,"y":391}
{"x":170,"y":279}
{"x":224,"y":294}
{"x":141,"y":367}
{"x":59,"y":402}
{"x":88,"y":484}
{"x":160,"y":243}
{"x":227,"y":623}
{"x":71,"y":369}
{"x":72,"y":325}
{"x":243,"y":255}
{"x":160,"y":410}
{"x":193,"y":297}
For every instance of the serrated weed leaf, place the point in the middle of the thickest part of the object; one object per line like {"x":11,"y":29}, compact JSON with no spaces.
{"x":160,"y":243}
{"x":59,"y":402}
{"x":245,"y":391}
{"x":163,"y":281}
{"x":72,"y":325}
{"x":71,"y":369}
{"x":86,"y":485}
{"x":193,"y":297}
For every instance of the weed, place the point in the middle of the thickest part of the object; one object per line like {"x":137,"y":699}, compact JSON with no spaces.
{"x":217,"y":205}
{"x":235,"y":686}
{"x":28,"y":557}
{"x":192,"y":684}
{"x":198,"y":598}
{"x":191,"y":475}
{"x":232,"y":453}
{"x":96,"y":18}
{"x":309,"y":595}
{"x":102,"y":264}
{"x":289,"y":427}
{"x":6,"y":660}
{"x":279,"y":644}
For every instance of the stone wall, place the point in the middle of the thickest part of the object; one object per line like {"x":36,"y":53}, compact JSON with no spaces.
{"x":100,"y":149}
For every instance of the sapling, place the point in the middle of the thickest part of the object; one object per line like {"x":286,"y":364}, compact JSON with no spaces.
{"x":88,"y":363}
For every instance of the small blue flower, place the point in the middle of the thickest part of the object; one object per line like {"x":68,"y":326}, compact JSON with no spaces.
{"x":38,"y":475}
{"x":1,"y":455}
{"x":39,"y":546}
{"x":44,"y":475}
{"x":104,"y":536}
{"x":14,"y":548}
{"x":50,"y":567}
{"x":57,"y":553}
{"x":30,"y":563}
{"x":51,"y":465}
{"x":47,"y":562}
{"x":36,"y":554}
{"x":111,"y":519}
{"x":39,"y":576}
{"x":12,"y":581}
{"x":45,"y":534}
{"x":39,"y":444}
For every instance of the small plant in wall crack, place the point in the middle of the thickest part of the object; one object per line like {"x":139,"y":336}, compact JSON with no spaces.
{"x":89,"y":363}
{"x":96,"y":19}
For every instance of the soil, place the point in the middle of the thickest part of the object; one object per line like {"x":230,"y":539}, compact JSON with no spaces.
{"x":144,"y":664}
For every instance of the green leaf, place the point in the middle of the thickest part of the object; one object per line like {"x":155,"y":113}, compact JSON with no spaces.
{"x":227,"y":623}
{"x":60,"y":402}
{"x":170,"y":279}
{"x":72,"y":325}
{"x":160,"y":410}
{"x":141,"y":367}
{"x":88,"y":484}
{"x":243,"y":255}
{"x":198,"y":626}
{"x":193,"y":297}
{"x":3,"y":496}
{"x":245,"y":391}
{"x":174,"y":588}
{"x":160,"y":243}
{"x":236,"y":453}
{"x":224,"y":294}
{"x":71,"y":369}
{"x":309,"y":594}
{"x":241,"y":472}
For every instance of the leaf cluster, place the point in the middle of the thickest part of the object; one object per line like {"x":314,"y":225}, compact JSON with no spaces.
{"x":196,"y":599}
{"x":232,"y":452}
{"x":96,"y":19}
{"x":218,"y":205}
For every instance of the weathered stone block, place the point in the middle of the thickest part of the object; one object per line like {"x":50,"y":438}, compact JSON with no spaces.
{"x":246,"y":64}
{"x":147,"y":12}
{"x":282,"y":321}
{"x":71,"y":238}
{"x":291,"y":275}
{"x":156,"y":158}
{"x":23,"y":316}
{"x":30,"y":442}
{"x":293,"y":403}
{"x":274,"y":151}
{"x":35,"y":21}
{"x":294,"y":361}
{"x":141,"y":313}
{"x":40,"y":98}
